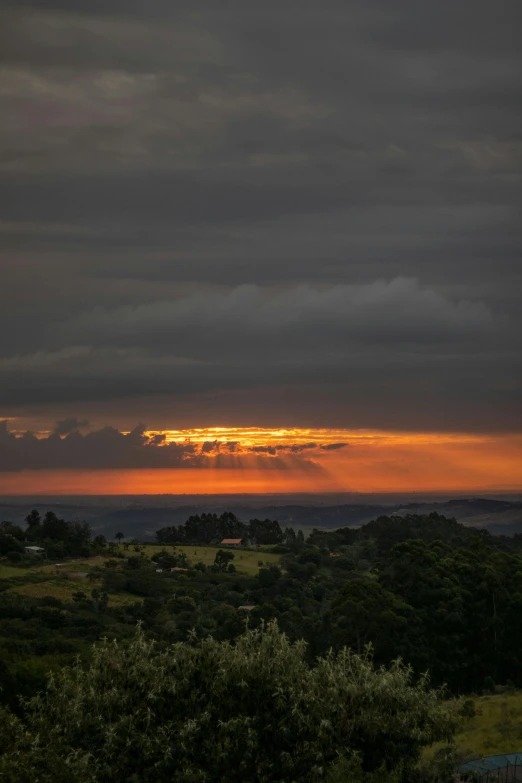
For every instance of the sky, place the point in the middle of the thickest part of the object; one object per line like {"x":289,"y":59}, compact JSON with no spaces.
{"x":299,"y":223}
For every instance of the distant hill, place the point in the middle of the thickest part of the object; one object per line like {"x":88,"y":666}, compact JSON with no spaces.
{"x":142,"y":518}
{"x":500,"y":517}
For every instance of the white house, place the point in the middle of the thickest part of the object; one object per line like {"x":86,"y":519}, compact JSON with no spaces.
{"x":34,"y":550}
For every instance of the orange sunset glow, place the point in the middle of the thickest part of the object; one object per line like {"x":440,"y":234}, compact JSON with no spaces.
{"x":255,"y":460}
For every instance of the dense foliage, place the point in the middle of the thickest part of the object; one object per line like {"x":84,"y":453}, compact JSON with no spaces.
{"x":206,"y":712}
{"x":58,"y":537}
{"x":442,"y":597}
{"x":211,"y":528}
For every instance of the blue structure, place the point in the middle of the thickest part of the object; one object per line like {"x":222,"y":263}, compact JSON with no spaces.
{"x":505,"y":769}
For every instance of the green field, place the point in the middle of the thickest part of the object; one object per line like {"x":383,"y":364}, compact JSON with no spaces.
{"x":245,"y":560}
{"x":70,"y":577}
{"x":64,"y":589}
{"x":6,"y":572}
{"x":64,"y":584}
{"x":495,"y":729}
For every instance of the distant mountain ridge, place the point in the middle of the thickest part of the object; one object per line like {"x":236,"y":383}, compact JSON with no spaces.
{"x":500,"y":517}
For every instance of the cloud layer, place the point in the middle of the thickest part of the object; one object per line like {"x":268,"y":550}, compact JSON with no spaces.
{"x":252,"y":215}
{"x":67,"y":448}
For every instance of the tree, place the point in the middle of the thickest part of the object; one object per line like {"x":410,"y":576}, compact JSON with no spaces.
{"x":33,"y":524}
{"x":222,"y":559}
{"x":203,"y":529}
{"x":269,"y":576}
{"x":119,"y":536}
{"x":10,"y":545}
{"x":54,"y":528}
{"x":60,"y":537}
{"x":8,"y":529}
{"x":253,"y":711}
{"x":289,"y":537}
{"x":265,"y":531}
{"x":364,"y":612}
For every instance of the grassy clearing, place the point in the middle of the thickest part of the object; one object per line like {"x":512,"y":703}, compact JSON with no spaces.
{"x":246,"y":560}
{"x":71,"y":566}
{"x":123,"y":599}
{"x":63,"y":589}
{"x":495,"y":729}
{"x":70,"y":577}
{"x":6,"y":572}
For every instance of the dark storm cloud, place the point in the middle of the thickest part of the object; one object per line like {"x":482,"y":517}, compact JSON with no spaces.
{"x":70,"y":424}
{"x":399,"y":311}
{"x":110,"y":449}
{"x":101,"y":449}
{"x":248,"y":199}
{"x":292,"y":448}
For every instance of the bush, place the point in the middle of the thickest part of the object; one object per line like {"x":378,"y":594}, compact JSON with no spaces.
{"x":213,"y":712}
{"x":468,"y":709}
{"x":310,"y":556}
{"x":50,"y":600}
{"x":146,"y":583}
{"x":10,"y":545}
{"x":114,"y":581}
{"x":489,"y":684}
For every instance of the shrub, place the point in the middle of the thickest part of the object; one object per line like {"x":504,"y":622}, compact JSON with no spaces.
{"x":468,"y":709}
{"x":211,"y":711}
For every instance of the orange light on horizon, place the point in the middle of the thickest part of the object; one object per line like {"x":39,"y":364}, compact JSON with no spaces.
{"x":251,"y":436}
{"x":370,"y":461}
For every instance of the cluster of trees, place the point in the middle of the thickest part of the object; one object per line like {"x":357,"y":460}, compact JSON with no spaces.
{"x":384,"y":532}
{"x":211,"y":529}
{"x":58,"y":537}
{"x":254,"y":712}
{"x":12,"y":540}
{"x":452,"y":605}
{"x":456,"y":612}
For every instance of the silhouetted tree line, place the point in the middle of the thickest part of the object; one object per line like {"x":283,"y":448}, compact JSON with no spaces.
{"x":204,"y":529}
{"x":385,"y":532}
{"x":56,"y":536}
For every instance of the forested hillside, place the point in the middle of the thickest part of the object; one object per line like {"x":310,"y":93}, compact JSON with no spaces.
{"x":444,"y":598}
